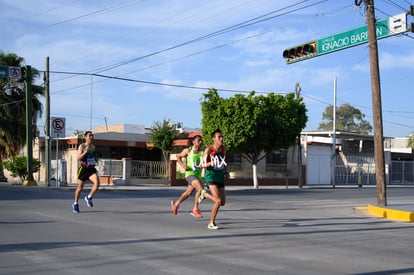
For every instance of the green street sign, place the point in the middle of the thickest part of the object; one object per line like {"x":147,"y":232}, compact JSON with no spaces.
{"x":350,"y":38}
{"x":386,"y":27}
{"x":4,"y":72}
{"x":10,"y":72}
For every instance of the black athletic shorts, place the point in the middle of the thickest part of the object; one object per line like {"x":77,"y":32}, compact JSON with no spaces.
{"x":219,"y":184}
{"x":84,"y":173}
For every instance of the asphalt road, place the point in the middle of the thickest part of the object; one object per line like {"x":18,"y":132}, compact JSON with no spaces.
{"x":265,"y":231}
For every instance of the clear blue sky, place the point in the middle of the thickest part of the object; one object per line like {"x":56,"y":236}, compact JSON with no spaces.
{"x":232,"y":45}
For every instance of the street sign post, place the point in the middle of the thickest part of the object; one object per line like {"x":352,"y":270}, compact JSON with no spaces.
{"x":58,"y":129}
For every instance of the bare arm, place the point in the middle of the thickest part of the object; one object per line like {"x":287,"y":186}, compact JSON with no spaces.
{"x":83,"y":150}
{"x":184,"y":153}
{"x":204,"y":163}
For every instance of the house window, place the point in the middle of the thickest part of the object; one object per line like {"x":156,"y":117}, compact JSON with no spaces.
{"x":276,"y":161}
{"x":234,"y":158}
{"x":277,"y":157}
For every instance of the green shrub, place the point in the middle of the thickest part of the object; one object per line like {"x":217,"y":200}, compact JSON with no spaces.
{"x":18,"y":167}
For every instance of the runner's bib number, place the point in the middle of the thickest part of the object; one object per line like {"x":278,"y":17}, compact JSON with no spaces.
{"x":90,"y":162}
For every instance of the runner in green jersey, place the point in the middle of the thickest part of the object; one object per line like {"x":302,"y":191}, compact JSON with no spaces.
{"x":193,"y":171}
{"x":214,"y":160}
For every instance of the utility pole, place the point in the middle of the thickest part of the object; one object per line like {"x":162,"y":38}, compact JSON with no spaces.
{"x":300,"y":183}
{"x":29,"y":128}
{"x":333,"y":154}
{"x":376,"y":104}
{"x":47,"y":125}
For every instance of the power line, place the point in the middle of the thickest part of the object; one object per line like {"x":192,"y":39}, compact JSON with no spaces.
{"x":101,"y":11}
{"x":156,"y":83}
{"x":390,"y":2}
{"x":225,"y":44}
{"x":243,"y":24}
{"x":83,"y":16}
{"x":202,"y":51}
{"x":55,"y":8}
{"x":256,"y":20}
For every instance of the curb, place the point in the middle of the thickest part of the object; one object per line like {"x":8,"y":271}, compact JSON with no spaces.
{"x":392,"y":214}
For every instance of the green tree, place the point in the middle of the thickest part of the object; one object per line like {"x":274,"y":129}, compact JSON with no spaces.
{"x":163,"y":135}
{"x":18,"y":167}
{"x":254,"y":125}
{"x":348,"y":118}
{"x":13,"y":110}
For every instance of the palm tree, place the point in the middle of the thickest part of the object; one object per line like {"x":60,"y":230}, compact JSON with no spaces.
{"x":13,"y":110}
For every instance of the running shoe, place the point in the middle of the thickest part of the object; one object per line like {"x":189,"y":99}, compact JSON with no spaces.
{"x":196,"y":214}
{"x":89,"y":201}
{"x":75,"y":207}
{"x":212,"y":226}
{"x":201,"y":197}
{"x":174,"y":208}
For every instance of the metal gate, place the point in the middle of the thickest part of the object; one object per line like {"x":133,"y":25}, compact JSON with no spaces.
{"x":354,"y":170}
{"x":401,"y":172}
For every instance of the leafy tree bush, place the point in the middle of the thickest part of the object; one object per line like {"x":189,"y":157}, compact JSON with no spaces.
{"x":163,"y":134}
{"x":348,"y":118}
{"x":254,"y":125}
{"x":18,"y":167}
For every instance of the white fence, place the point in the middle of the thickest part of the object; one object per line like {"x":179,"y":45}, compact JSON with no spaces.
{"x":139,"y":169}
{"x":236,"y":170}
{"x":355,"y":169}
{"x":110,"y":168}
{"x":142,"y":169}
{"x":352,"y":170}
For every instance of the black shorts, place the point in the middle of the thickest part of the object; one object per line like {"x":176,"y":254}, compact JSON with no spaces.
{"x":84,"y":173}
{"x":219,"y":184}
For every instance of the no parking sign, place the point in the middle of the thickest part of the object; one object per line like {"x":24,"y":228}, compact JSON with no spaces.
{"x":58,"y":127}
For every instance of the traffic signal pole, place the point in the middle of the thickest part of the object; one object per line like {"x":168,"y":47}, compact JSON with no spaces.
{"x":376,"y":105}
{"x":393,"y":25}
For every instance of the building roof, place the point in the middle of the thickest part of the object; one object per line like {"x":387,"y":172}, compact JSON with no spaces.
{"x":339,"y":134}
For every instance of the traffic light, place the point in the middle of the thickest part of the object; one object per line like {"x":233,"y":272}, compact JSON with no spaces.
{"x":300,"y":52}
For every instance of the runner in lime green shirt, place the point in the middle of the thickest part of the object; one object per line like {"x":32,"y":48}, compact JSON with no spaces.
{"x":193,"y":173}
